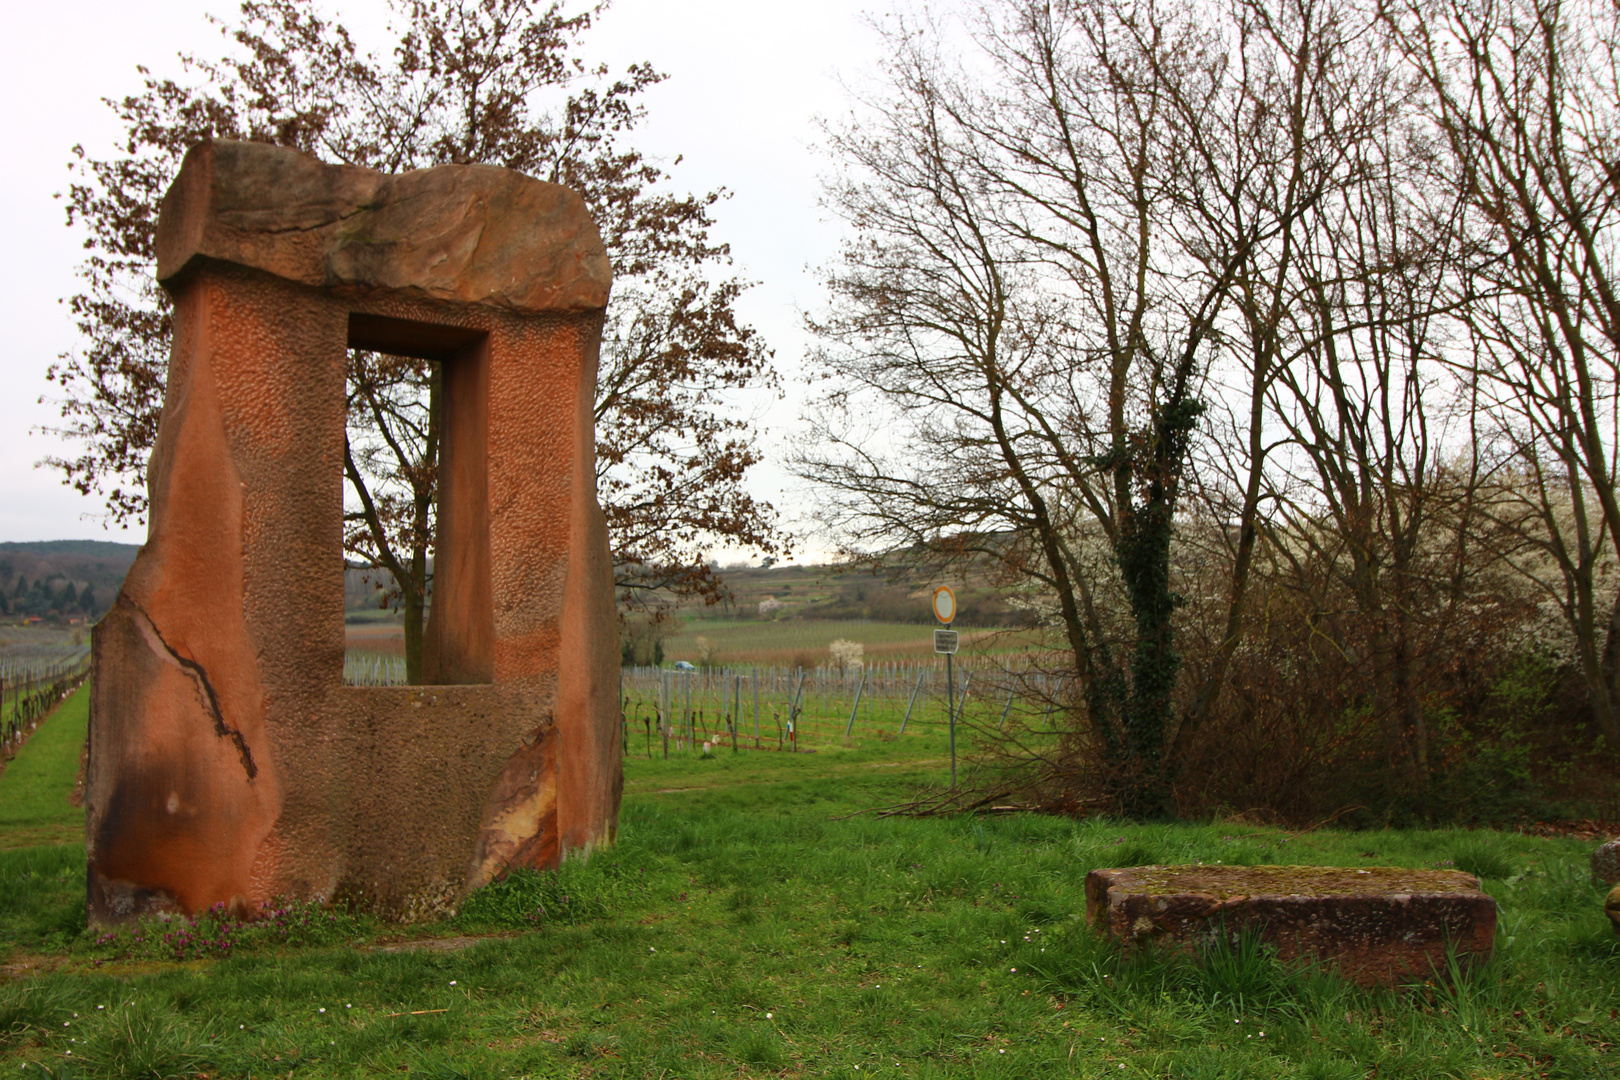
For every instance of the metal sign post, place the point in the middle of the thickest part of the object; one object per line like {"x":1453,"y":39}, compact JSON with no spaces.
{"x":946,"y":641}
{"x":950,"y":709}
{"x":922,"y":673}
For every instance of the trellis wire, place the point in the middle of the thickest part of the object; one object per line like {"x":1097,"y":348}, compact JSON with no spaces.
{"x":30,"y":686}
{"x":680,"y":710}
{"x":373,"y":669}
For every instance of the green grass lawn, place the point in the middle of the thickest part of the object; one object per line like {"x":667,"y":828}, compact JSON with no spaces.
{"x":825,"y":713}
{"x":35,"y":786}
{"x":751,"y":922}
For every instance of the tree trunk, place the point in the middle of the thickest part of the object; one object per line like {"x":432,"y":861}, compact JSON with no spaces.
{"x":412,"y":609}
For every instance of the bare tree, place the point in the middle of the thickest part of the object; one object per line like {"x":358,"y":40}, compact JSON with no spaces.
{"x":1523,"y":110}
{"x":1052,"y":249}
{"x":1376,"y":481}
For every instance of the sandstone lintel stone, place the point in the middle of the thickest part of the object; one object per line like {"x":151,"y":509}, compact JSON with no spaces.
{"x":471,"y":234}
{"x":1378,"y":925}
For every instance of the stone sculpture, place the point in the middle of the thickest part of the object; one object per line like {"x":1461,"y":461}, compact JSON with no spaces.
{"x":228,"y":764}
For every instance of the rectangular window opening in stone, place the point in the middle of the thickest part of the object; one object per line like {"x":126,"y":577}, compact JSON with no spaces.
{"x":417,"y":600}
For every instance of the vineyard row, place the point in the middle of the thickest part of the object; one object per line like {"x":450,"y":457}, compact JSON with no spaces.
{"x":31,"y":688}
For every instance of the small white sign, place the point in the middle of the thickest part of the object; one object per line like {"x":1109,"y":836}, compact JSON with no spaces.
{"x":945,"y":642}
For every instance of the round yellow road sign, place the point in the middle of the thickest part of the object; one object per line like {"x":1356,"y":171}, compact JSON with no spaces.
{"x":944,"y":604}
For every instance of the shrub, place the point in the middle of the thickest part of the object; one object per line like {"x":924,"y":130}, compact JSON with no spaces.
{"x":641,"y":641}
{"x":847,"y":654}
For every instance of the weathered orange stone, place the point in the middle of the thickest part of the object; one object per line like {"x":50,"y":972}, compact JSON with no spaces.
{"x":228,"y":762}
{"x":1378,"y":925}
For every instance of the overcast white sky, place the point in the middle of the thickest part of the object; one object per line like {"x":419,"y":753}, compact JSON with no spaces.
{"x":747,"y":80}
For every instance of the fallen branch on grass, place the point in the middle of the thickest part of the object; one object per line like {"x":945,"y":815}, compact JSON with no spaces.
{"x":940,"y":804}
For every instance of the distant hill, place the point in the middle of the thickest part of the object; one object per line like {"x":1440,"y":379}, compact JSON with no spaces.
{"x":101,"y":549}
{"x":62,"y":579}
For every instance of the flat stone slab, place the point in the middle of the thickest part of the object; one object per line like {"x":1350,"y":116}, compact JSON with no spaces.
{"x":1378,"y":925}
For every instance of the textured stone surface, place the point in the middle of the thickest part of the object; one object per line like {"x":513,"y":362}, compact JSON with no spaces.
{"x":1606,"y":863}
{"x":472,"y":234}
{"x":1378,"y":925}
{"x":228,"y":763}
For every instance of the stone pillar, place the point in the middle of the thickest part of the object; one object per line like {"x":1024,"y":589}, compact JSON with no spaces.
{"x":228,"y":763}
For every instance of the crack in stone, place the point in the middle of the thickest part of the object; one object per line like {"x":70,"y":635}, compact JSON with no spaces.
{"x":221,"y":728}
{"x":237,"y":219}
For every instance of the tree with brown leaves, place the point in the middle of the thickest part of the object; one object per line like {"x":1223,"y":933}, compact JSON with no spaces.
{"x":468,"y":81}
